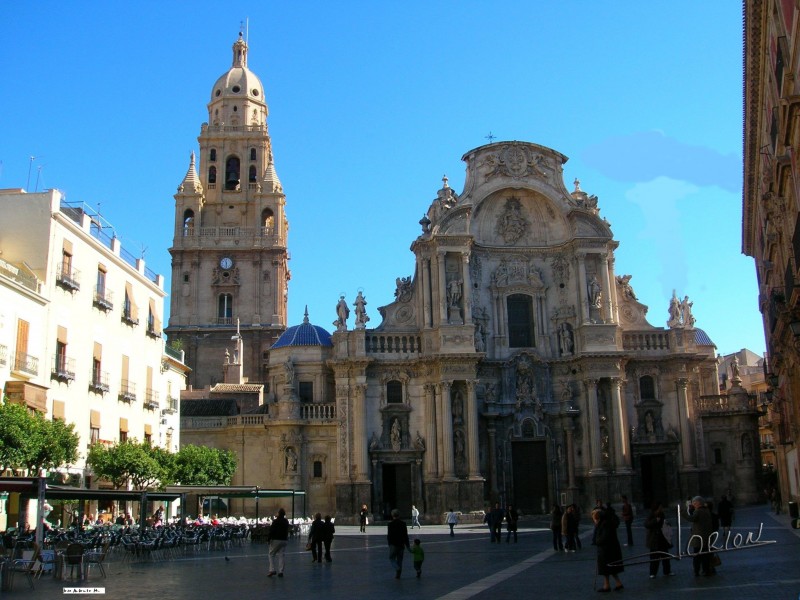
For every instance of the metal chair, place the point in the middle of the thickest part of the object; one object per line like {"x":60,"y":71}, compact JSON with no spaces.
{"x":25,"y":566}
{"x":72,"y":558}
{"x":95,"y":559}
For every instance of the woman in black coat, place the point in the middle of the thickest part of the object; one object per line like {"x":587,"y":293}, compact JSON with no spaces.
{"x":555,"y":527}
{"x":608,"y":548}
{"x":656,"y":542}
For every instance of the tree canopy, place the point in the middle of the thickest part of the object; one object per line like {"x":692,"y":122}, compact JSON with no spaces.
{"x":200,"y":465}
{"x":28,"y":440}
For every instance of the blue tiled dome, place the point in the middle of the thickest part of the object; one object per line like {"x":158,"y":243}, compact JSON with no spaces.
{"x":305,"y":334}
{"x":701,"y":338}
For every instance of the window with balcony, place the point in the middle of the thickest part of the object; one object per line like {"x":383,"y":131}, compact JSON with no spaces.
{"x":94,"y":435}
{"x":102,"y":295}
{"x":67,"y":277}
{"x":63,"y":366}
{"x":129,"y":311}
{"x":99,"y":381}
{"x":127,"y":391}
{"x":151,"y":399}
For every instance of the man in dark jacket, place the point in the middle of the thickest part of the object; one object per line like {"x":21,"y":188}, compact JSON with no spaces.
{"x":397,"y":537}
{"x":278,"y":535}
{"x":701,"y":529}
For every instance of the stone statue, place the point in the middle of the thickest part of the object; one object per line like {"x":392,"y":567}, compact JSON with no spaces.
{"x":566,"y":393}
{"x":565,"y":337}
{"x":289,"y":368}
{"x":291,"y":460}
{"x":674,"y":312}
{"x":374,"y":442}
{"x":361,"y":311}
{"x":686,"y":309}
{"x":342,"y":313}
{"x":649,"y":425}
{"x":480,"y":343}
{"x":395,"y":435}
{"x":624,"y":282}
{"x":595,"y":292}
{"x":458,"y":440}
{"x":227,"y":357}
{"x":454,"y":292}
{"x":419,"y":443}
{"x":735,"y":375}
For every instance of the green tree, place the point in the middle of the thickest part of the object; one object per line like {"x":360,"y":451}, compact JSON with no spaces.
{"x":128,"y":460}
{"x":200,"y":465}
{"x":28,"y":440}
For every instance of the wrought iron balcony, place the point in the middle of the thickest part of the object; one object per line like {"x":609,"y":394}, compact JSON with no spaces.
{"x":63,"y":368}
{"x":127,"y":318}
{"x":151,"y":399}
{"x":171,"y":406}
{"x":68,"y":278}
{"x":127,"y":391}
{"x":99,"y":382}
{"x":25,"y":363}
{"x":151,"y":332}
{"x":103,"y":299}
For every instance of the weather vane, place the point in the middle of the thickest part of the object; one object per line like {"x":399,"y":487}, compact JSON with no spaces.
{"x":490,"y":137}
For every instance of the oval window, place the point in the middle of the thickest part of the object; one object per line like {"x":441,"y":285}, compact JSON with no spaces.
{"x":255,"y":92}
{"x":218,"y":93}
{"x":236,"y":89}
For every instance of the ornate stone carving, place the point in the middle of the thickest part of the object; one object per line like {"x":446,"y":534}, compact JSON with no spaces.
{"x":516,"y":161}
{"x":517,"y":272}
{"x":404,"y":288}
{"x":626,"y":291}
{"x":511,"y":223}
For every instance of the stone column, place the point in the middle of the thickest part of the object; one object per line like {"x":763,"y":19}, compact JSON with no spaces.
{"x":492,"y":458}
{"x":583,"y":288}
{"x":472,"y":431}
{"x":442,"y":276}
{"x":569,"y":432}
{"x":467,"y":288}
{"x":608,"y":304}
{"x":360,"y":432}
{"x":343,"y":430}
{"x":685,"y":457}
{"x":421,"y":290}
{"x":431,"y":441}
{"x":446,"y":422}
{"x":622,"y":447}
{"x":613,"y":289}
{"x":595,"y":462}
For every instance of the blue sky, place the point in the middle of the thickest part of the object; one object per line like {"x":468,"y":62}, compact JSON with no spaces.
{"x":372,"y":102}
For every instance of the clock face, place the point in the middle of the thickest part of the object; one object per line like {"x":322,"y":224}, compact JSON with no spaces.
{"x":226,"y":263}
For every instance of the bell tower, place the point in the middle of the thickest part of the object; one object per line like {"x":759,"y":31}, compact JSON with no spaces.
{"x":229,"y":251}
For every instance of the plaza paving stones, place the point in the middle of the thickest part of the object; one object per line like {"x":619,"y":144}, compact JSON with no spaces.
{"x":460,"y":567}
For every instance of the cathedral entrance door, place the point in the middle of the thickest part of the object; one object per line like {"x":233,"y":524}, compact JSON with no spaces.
{"x":397,"y":489}
{"x":654,"y":479}
{"x":531,"y":481}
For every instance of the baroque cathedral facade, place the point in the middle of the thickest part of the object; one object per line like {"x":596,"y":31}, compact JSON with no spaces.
{"x":514,"y":365}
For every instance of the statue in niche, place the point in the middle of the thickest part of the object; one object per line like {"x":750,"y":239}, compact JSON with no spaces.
{"x":361,"y":311}
{"x":395,"y":435}
{"x":566,"y":340}
{"x":227,"y":357}
{"x":480,"y":344}
{"x":288,"y":367}
{"x":595,"y":292}
{"x":490,"y":392}
{"x":291,"y":460}
{"x":649,"y":423}
{"x":566,"y":394}
{"x":342,"y":314}
{"x":419,"y":442}
{"x":454,"y":292}
{"x":458,"y":443}
{"x":500,"y":275}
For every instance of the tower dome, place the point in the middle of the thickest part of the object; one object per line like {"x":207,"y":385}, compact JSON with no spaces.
{"x":304,"y":334}
{"x":239,"y":81}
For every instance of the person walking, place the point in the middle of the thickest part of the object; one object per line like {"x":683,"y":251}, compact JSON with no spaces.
{"x":657,"y":543}
{"x":609,"y":552}
{"x":627,"y":518}
{"x":397,"y":537}
{"x":700,"y":518}
{"x":569,"y":527}
{"x":415,"y":517}
{"x":419,"y":556}
{"x":725,"y":512}
{"x":496,"y":522}
{"x":277,"y":538}
{"x":512,"y":517}
{"x":362,"y":518}
{"x":555,"y":526}
{"x":327,"y":537}
{"x":452,"y":519}
{"x":316,"y":534}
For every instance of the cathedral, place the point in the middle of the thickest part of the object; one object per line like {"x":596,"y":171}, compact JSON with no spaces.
{"x":513,"y":365}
